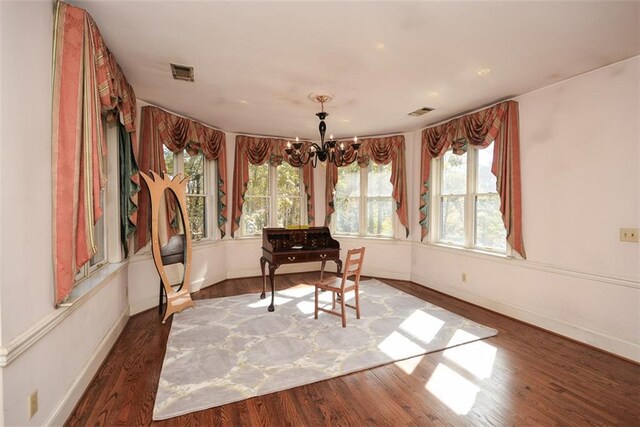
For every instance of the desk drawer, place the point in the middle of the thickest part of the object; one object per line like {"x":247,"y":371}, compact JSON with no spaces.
{"x":289,"y":258}
{"x":324,"y":255}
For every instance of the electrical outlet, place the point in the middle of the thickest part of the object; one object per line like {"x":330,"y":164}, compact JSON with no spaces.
{"x":464,"y":277}
{"x":33,"y":404}
{"x":629,"y":235}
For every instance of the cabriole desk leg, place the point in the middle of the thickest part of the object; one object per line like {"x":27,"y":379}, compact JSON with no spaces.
{"x":263,"y":261}
{"x":272,"y":270}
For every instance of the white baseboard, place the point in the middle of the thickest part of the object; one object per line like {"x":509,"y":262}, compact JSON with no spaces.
{"x":597,"y":339}
{"x":67,"y":403}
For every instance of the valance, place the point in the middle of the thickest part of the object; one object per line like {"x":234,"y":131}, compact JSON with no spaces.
{"x":498,"y":124}
{"x":382,"y":151}
{"x":257,"y":151}
{"x":159,"y":127}
{"x":87,"y":83}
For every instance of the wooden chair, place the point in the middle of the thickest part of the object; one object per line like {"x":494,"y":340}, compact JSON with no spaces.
{"x":341,"y":285}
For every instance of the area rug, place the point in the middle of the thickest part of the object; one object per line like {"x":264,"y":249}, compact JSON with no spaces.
{"x":229,"y":349}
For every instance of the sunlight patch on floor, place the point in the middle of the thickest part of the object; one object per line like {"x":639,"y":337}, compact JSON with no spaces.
{"x":398,"y":346}
{"x":306,"y":307}
{"x":422,"y":326}
{"x":265,"y":302}
{"x":297,"y":291}
{"x":452,"y":389}
{"x":477,"y":357}
{"x":409,"y":365}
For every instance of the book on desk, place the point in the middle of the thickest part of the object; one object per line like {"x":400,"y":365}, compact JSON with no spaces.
{"x":291,"y":246}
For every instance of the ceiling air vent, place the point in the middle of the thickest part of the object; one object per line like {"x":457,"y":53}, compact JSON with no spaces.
{"x":182,"y":72}
{"x":419,"y":112}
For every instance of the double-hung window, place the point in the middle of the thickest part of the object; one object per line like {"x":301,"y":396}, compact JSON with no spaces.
{"x":363,"y":201}
{"x":466,"y":203}
{"x":199,"y":191}
{"x":274,"y":198}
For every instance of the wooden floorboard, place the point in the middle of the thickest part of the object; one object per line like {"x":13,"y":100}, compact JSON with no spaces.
{"x":536,"y":378}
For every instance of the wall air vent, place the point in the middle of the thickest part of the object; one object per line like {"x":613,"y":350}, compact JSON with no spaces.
{"x":182,"y":72}
{"x":419,"y":112}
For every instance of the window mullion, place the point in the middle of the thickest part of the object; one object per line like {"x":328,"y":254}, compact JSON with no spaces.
{"x":472,"y":161}
{"x":364,"y":200}
{"x":273,"y":197}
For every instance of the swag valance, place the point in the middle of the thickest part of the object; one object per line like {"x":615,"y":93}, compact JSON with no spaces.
{"x":382,"y":151}
{"x":257,"y":151}
{"x":498,"y":124}
{"x":159,"y":127}
{"x":87,"y":84}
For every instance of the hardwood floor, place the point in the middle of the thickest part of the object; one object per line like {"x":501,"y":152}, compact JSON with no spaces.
{"x":523,"y":376}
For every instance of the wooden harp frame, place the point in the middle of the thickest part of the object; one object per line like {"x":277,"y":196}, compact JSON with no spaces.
{"x":176,"y":300}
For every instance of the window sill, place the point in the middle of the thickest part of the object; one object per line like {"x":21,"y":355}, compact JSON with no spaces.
{"x":469,"y":250}
{"x":145,"y":253}
{"x":93,"y":283}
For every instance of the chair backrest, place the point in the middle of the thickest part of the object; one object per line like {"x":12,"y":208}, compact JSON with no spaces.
{"x":353,"y":266}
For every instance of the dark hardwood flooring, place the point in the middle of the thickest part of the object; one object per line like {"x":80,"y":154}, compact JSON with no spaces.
{"x":536,"y":378}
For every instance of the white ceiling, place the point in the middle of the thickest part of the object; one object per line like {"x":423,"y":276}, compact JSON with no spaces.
{"x":257,"y":62}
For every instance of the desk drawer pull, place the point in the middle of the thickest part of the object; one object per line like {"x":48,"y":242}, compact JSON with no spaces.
{"x":323,"y":256}
{"x":291,"y":258}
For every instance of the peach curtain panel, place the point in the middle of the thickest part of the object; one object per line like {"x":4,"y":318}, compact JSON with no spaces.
{"x":159,"y":127}
{"x":87,"y":83}
{"x":498,"y":123}
{"x":257,"y":151}
{"x":382,"y":151}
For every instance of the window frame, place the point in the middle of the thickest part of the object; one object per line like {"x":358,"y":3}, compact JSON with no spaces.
{"x":469,"y":197}
{"x":211,"y":230}
{"x":363,"y":205}
{"x":272,"y":196}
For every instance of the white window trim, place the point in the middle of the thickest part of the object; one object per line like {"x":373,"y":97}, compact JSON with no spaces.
{"x":272,"y":214}
{"x":211,"y":230}
{"x":363,"y":199}
{"x":437,"y":166}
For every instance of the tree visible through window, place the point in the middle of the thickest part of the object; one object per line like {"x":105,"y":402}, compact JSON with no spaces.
{"x":364,"y":196}
{"x":274,"y":198}
{"x":468,"y":202}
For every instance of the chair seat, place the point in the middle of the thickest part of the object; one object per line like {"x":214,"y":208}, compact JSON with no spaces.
{"x":334,"y":284}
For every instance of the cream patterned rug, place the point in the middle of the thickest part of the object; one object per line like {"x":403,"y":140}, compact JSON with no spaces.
{"x":230,"y":349}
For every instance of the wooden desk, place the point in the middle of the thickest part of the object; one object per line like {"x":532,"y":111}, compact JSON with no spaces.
{"x":284,"y":246}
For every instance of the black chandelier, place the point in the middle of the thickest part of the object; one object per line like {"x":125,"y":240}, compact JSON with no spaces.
{"x":327,"y":150}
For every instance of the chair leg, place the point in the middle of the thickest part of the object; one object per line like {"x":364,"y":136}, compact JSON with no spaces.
{"x":357,"y":302}
{"x":344,"y":312}
{"x":315,"y":315}
{"x":333,"y":295}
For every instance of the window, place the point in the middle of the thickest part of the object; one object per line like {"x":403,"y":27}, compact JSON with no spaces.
{"x":275,"y":198}
{"x":364,"y":196}
{"x":199,"y":194}
{"x":467,"y":206}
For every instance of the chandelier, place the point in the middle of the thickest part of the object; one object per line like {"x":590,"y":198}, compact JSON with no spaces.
{"x":327,"y":150}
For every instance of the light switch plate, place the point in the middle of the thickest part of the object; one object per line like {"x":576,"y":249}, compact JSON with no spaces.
{"x":629,"y":235}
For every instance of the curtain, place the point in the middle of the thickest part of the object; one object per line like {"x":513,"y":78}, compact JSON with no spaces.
{"x":87,"y":83}
{"x":159,"y":127}
{"x":382,"y":151}
{"x":498,"y":124}
{"x":128,"y":187}
{"x":257,"y":151}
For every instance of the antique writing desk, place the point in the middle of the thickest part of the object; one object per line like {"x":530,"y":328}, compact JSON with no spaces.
{"x":285,"y":246}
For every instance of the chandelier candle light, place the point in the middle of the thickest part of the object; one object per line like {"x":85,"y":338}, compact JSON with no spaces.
{"x":327,"y":150}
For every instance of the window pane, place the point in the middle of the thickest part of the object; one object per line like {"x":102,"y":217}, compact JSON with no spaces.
{"x":194,"y":169}
{"x":452,"y":220}
{"x":380,"y":217}
{"x":288,"y":180}
{"x":288,"y":211}
{"x":347,"y":215}
{"x":255,"y":215}
{"x":378,"y":182}
{"x":258,"y":184}
{"x":454,"y":173}
{"x":196,"y":208}
{"x":490,"y":231}
{"x":99,"y":233}
{"x":348,"y":181}
{"x":486,"y":180}
{"x":168,"y":160}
